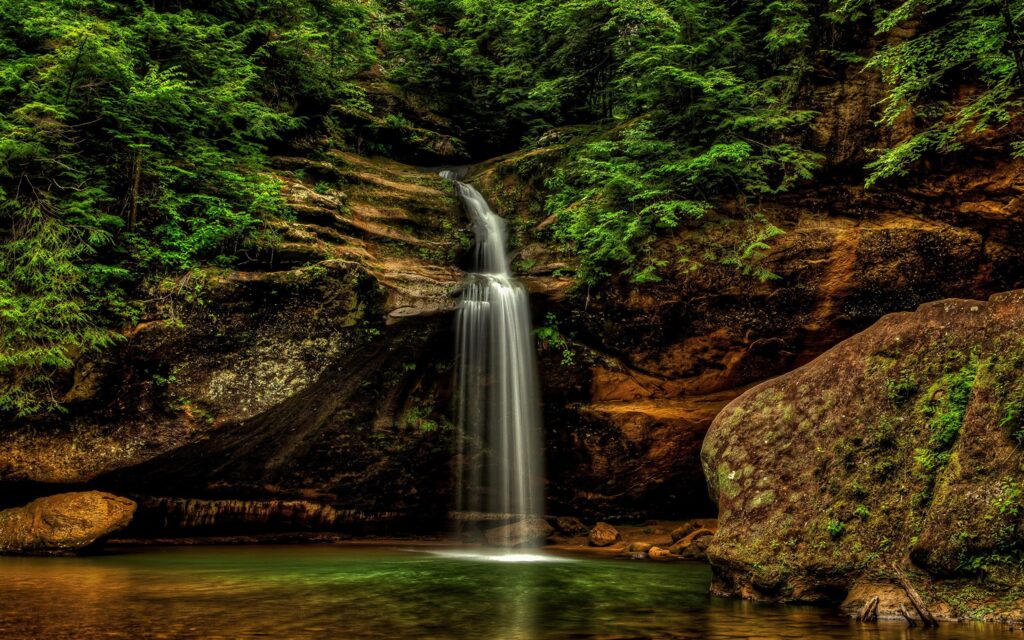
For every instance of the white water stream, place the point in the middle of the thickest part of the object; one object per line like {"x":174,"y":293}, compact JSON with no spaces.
{"x":498,"y":394}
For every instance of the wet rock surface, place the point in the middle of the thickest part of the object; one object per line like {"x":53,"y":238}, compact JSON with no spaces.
{"x":335,"y":355}
{"x":311,"y":376}
{"x":63,"y":524}
{"x":603,"y":534}
{"x":653,"y":364}
{"x":529,"y":532}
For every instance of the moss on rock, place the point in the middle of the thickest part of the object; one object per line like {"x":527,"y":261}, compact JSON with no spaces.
{"x":901,"y":457}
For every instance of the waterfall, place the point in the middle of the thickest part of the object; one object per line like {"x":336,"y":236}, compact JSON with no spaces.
{"x":500,"y":464}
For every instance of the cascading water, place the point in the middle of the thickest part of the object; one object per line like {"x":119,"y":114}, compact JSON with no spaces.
{"x":498,"y":397}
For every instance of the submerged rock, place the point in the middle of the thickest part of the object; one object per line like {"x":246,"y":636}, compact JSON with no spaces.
{"x":902,"y":438}
{"x":529,"y":532}
{"x":63,"y":524}
{"x":604,"y":534}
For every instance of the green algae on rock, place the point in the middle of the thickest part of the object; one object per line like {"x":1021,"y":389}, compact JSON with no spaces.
{"x":901,"y":444}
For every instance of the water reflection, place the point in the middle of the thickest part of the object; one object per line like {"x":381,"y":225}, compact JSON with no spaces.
{"x":356,"y":593}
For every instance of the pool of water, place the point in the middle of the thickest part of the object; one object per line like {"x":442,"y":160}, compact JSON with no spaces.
{"x":350,"y":593}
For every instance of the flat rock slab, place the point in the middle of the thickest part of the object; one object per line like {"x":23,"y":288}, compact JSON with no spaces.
{"x":63,"y":524}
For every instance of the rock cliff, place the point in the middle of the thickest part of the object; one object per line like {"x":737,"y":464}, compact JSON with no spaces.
{"x":321,"y":370}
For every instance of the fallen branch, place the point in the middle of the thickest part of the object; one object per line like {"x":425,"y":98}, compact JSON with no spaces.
{"x":927,"y":619}
{"x":870,"y":611}
{"x":906,"y":614}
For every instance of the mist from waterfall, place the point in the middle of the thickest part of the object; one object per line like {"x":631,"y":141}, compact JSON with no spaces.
{"x":498,"y":404}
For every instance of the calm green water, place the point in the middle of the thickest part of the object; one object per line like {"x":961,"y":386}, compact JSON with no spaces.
{"x":352,"y":593}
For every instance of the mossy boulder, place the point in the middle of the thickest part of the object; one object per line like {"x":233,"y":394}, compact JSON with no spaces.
{"x":901,"y":444}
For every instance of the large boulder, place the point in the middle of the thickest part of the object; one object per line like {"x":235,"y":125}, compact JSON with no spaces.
{"x":603,"y":535}
{"x":900,"y":445}
{"x":63,"y":524}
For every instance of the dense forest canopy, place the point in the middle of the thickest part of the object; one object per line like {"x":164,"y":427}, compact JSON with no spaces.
{"x":135,"y":135}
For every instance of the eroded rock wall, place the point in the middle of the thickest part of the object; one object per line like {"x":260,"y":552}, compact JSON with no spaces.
{"x":652,"y":364}
{"x":318,"y":370}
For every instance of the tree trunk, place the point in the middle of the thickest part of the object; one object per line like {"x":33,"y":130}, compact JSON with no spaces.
{"x":870,"y":611}
{"x":927,"y":619}
{"x":136,"y":179}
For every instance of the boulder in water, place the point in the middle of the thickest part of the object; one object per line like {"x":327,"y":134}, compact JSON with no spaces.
{"x":529,"y":532}
{"x":657,"y":553}
{"x":63,"y":524}
{"x":639,"y":547}
{"x":604,"y":534}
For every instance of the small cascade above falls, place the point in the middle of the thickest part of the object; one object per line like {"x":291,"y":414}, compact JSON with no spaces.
{"x":500,"y":459}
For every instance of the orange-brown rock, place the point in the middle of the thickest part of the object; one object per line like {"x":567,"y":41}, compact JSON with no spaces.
{"x":899,"y":447}
{"x":63,"y":524}
{"x":603,"y":534}
{"x":310,"y":371}
{"x":684,"y":530}
{"x":705,"y":332}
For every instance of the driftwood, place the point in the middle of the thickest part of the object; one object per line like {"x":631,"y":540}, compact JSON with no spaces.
{"x":906,"y":614}
{"x":870,"y":611}
{"x":927,"y":619}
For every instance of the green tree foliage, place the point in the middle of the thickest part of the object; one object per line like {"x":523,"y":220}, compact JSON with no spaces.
{"x":133,"y":140}
{"x":953,"y":41}
{"x":697,"y":97}
{"x":134,"y":134}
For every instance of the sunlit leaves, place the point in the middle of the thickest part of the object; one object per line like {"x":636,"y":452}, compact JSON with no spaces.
{"x":951,"y":42}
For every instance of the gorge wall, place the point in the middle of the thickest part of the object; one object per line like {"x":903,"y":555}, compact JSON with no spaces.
{"x":653,"y":364}
{"x":323,"y":373}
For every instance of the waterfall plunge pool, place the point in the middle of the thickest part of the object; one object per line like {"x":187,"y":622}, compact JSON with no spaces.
{"x":355,"y":592}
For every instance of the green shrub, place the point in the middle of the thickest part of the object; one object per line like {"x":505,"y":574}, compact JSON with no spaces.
{"x":835,"y":529}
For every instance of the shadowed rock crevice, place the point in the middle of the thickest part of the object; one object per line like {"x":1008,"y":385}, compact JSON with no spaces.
{"x":337,"y":442}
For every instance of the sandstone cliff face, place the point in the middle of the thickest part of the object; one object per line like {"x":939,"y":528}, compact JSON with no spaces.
{"x":901,"y":444}
{"x":321,"y":371}
{"x":654,"y":363}
{"x":310,"y":372}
